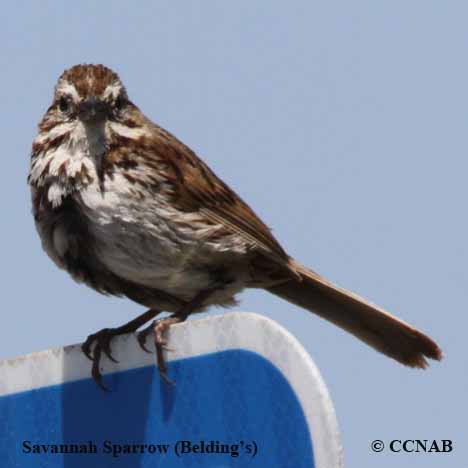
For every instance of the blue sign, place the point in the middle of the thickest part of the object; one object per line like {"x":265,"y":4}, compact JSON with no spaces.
{"x":233,"y":404}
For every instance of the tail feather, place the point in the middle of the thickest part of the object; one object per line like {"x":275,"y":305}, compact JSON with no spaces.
{"x":373,"y":325}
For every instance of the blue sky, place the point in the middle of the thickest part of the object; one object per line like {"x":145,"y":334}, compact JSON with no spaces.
{"x":343,"y":124}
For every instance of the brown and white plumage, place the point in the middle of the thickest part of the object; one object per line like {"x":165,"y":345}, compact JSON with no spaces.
{"x":125,"y":207}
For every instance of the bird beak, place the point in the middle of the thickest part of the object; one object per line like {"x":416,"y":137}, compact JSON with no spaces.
{"x":92,"y":110}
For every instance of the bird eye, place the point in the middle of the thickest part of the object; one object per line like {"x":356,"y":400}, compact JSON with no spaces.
{"x":64,"y":104}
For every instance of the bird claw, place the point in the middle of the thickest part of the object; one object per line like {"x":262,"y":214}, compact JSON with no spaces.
{"x":141,"y":337}
{"x":158,"y":327}
{"x":101,"y":341}
{"x":87,"y":353}
{"x":96,"y":372}
{"x":107,"y":350}
{"x":86,"y":347}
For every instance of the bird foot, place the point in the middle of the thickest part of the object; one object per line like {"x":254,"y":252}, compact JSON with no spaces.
{"x":99,"y":342}
{"x":158,"y":328}
{"x":94,"y":346}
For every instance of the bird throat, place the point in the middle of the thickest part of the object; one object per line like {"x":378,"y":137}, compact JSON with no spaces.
{"x":97,"y":148}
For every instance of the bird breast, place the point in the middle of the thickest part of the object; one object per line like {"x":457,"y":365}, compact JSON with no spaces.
{"x":143,"y":238}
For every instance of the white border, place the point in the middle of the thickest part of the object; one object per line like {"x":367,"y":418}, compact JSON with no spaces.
{"x":235,"y":330}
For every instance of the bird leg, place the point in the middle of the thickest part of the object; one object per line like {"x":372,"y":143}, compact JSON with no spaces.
{"x":160,"y":327}
{"x":102,"y":339}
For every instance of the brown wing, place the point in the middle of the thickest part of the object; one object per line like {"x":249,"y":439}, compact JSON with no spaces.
{"x":200,"y":190}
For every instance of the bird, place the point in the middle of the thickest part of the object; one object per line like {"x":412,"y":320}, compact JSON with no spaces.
{"x":126,"y":208}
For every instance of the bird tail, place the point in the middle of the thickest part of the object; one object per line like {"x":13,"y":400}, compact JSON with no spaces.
{"x":376,"y":327}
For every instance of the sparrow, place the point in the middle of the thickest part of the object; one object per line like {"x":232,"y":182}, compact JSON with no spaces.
{"x":126,"y":208}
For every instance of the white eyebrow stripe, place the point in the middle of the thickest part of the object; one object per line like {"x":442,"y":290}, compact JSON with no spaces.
{"x":64,"y":87}
{"x":113,"y":90}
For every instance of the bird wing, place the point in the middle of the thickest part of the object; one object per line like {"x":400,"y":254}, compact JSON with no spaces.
{"x":198,"y":189}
